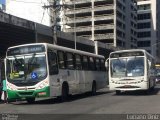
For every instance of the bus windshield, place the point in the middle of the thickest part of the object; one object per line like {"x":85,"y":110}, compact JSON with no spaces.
{"x":26,"y":68}
{"x":127,"y":67}
{"x":158,"y":72}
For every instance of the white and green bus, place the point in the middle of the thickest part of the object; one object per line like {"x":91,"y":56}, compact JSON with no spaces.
{"x":131,"y":70}
{"x":43,"y":70}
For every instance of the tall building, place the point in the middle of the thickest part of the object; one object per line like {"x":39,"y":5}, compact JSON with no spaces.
{"x":148,"y":26}
{"x":29,"y":9}
{"x":2,"y":5}
{"x":112,"y":22}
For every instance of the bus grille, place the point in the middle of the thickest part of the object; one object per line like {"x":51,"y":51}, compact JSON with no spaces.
{"x":26,"y":93}
{"x":128,"y":86}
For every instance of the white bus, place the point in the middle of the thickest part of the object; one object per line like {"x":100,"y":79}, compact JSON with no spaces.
{"x":46,"y":70}
{"x":130,"y":70}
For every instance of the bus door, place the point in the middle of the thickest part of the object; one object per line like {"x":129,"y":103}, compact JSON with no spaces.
{"x":53,"y":73}
{"x":152,"y":72}
{"x":80,"y":78}
{"x":71,"y":79}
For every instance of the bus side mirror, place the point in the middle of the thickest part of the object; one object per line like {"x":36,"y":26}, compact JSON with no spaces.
{"x":149,"y":62}
{"x":107,"y":63}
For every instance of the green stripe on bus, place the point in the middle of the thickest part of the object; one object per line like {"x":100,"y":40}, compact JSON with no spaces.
{"x":12,"y":94}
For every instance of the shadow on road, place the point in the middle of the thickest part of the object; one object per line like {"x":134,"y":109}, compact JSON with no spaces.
{"x":58,"y":100}
{"x":139,"y":92}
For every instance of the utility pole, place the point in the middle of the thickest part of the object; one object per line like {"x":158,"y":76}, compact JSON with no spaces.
{"x":56,"y":5}
{"x":75,"y":38}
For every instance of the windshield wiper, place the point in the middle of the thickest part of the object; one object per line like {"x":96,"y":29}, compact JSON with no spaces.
{"x":32,"y":58}
{"x":19,"y":62}
{"x":27,"y":65}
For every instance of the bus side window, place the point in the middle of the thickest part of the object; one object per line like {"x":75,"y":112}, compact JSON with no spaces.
{"x":85,"y":63}
{"x":78,"y":62}
{"x":52,"y":59}
{"x":153,"y":68}
{"x":91,"y":63}
{"x":61,"y":60}
{"x":97,"y":64}
{"x":102,"y":65}
{"x":69,"y":61}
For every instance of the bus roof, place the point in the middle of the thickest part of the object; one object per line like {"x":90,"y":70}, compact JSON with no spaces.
{"x":128,"y":50}
{"x":57,"y":47}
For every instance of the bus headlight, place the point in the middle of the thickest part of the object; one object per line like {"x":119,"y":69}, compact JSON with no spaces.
{"x":42,"y":85}
{"x":11,"y":86}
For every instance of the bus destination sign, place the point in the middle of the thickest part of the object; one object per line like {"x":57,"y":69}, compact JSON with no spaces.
{"x":126,"y":54}
{"x":26,"y":50}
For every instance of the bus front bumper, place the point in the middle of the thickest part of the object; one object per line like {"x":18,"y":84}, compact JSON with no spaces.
{"x":23,"y":94}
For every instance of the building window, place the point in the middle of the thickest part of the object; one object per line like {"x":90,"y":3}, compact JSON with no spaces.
{"x":144,"y":43}
{"x":144,"y":7}
{"x":149,"y":51}
{"x":144,"y":34}
{"x":144,"y":16}
{"x":144,"y":25}
{"x":120,"y":43}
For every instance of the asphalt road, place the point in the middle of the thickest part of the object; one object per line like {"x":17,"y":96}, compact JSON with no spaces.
{"x":103,"y":105}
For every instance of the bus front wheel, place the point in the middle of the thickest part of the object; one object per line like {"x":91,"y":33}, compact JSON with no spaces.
{"x":94,"y":88}
{"x":65,"y":92}
{"x":30,"y":100}
{"x":118,"y":92}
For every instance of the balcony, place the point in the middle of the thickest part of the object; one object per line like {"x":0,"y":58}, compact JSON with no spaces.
{"x":99,"y":36}
{"x":78,"y":20}
{"x":104,"y":36}
{"x":78,"y":2}
{"x":88,"y":19}
{"x":103,"y":7}
{"x":99,"y":0}
{"x":89,"y":37}
{"x":104,"y":27}
{"x":89,"y":28}
{"x":104,"y":17}
{"x":76,"y":11}
{"x":79,"y":29}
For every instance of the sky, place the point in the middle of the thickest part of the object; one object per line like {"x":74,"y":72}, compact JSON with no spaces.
{"x":2,"y":1}
{"x":29,"y":9}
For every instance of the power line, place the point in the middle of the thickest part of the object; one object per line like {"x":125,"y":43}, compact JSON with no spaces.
{"x":56,"y":8}
{"x":43,"y":15}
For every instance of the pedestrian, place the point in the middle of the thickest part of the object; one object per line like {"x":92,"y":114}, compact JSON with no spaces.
{"x":4,"y":91}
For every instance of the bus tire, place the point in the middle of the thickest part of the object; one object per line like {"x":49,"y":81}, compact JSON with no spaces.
{"x":94,"y":88}
{"x":65,"y":92}
{"x":153,"y":87}
{"x":30,"y":100}
{"x":118,"y":92}
{"x":147,"y":92}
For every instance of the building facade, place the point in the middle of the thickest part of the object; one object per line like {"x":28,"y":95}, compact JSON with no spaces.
{"x":148,"y":26}
{"x":112,"y":22}
{"x":119,"y":23}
